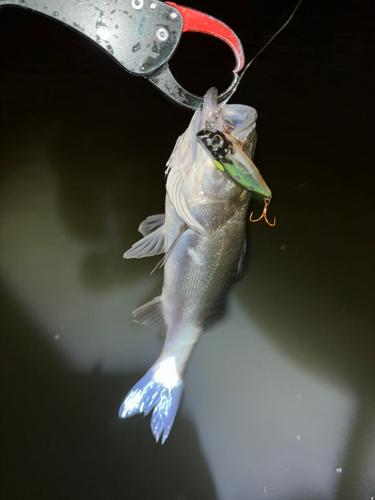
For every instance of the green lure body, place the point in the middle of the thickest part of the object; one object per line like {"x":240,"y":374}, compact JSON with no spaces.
{"x":233,"y":162}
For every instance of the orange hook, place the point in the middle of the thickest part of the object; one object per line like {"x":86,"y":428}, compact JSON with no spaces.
{"x":227,"y":127}
{"x":264,"y":214}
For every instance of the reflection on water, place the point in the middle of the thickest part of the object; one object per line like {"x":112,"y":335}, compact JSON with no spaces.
{"x":279,"y":399}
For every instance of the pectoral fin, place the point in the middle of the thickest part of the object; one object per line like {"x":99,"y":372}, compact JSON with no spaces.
{"x":161,"y":262}
{"x":153,"y":242}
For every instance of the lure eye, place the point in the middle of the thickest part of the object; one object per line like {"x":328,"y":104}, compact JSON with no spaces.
{"x":217,"y":141}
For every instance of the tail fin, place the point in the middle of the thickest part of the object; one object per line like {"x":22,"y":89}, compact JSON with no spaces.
{"x":160,"y":389}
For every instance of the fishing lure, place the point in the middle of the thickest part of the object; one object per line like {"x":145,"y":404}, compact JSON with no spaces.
{"x":231,"y":160}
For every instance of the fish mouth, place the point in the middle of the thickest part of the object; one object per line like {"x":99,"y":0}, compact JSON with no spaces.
{"x":228,"y":137}
{"x":238,"y":117}
{"x":239,"y":120}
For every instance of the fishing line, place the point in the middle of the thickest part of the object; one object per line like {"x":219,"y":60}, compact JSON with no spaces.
{"x":264,"y":47}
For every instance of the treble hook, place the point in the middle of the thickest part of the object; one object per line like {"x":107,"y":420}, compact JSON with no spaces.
{"x":227,"y":127}
{"x":264,"y":214}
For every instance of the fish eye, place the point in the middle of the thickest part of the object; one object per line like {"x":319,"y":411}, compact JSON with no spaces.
{"x":217,"y":141}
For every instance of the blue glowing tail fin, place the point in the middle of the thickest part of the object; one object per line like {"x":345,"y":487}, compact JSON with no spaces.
{"x":148,"y":394}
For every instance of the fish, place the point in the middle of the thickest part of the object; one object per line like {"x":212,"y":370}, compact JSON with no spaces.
{"x":203,"y":236}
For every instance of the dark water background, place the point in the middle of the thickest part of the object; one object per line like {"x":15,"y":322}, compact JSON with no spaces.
{"x":280,"y":397}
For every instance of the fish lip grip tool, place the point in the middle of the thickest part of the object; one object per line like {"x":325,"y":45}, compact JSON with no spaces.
{"x":141,"y":35}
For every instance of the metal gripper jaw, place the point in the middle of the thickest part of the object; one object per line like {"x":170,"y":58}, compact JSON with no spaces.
{"x":141,"y":35}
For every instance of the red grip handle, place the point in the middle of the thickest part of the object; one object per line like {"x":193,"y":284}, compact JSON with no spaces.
{"x":197,"y":21}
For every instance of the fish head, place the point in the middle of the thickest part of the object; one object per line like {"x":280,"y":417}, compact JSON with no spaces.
{"x":232,"y":162}
{"x":201,"y":184}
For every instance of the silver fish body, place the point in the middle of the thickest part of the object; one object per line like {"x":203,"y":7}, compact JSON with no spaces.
{"x":203,"y":234}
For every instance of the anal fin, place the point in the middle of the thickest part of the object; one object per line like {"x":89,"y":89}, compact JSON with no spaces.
{"x":151,"y":315}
